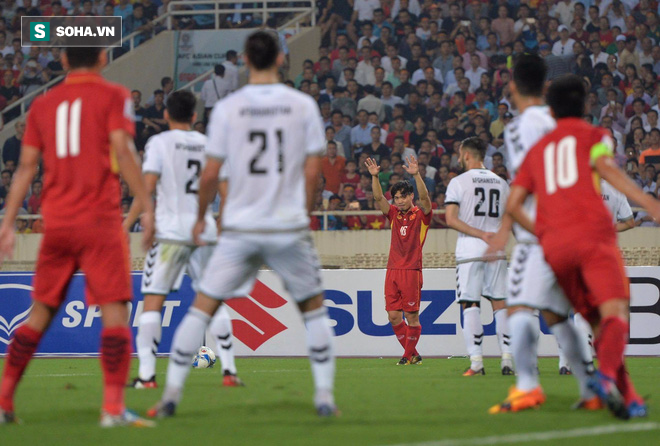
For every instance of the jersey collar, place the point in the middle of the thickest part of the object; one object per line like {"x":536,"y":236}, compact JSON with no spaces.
{"x":79,"y":78}
{"x":409,"y":211}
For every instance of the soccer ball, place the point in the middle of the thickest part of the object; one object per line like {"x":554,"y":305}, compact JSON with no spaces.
{"x":205,"y":358}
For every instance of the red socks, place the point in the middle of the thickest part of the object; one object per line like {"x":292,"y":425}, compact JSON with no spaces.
{"x":610,"y":345}
{"x":411,"y":341}
{"x":401,"y":333}
{"x":19,"y":353}
{"x":115,"y":362}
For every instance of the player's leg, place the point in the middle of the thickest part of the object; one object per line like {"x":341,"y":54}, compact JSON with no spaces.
{"x":495,"y":282}
{"x":293,"y":257}
{"x":586,"y":337}
{"x":469,"y":280}
{"x":231,"y":271}
{"x":394,"y":307}
{"x":412,"y":295}
{"x":54,"y":269}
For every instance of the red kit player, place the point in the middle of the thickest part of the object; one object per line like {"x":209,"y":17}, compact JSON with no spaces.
{"x":575,"y":229}
{"x":403,"y":282}
{"x":83,"y":131}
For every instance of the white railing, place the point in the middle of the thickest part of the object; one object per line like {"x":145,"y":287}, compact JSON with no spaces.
{"x":217,"y":8}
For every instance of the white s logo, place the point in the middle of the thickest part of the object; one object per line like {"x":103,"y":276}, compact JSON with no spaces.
{"x":40,"y":31}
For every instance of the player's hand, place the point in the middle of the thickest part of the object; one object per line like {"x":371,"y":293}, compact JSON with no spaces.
{"x":373,"y":168}
{"x":488,"y":237}
{"x":7,"y":242}
{"x":496,"y":245}
{"x":148,"y":230}
{"x":197,"y":232}
{"x":412,"y":168}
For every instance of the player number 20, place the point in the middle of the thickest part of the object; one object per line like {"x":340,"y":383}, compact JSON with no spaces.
{"x":560,"y":163}
{"x":67,"y":129}
{"x":493,"y":204}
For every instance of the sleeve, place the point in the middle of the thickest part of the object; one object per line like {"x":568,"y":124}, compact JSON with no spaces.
{"x":153,"y":157}
{"x":525,"y":178}
{"x":32,"y":137}
{"x":623,"y":211}
{"x":604,"y":146}
{"x":121,"y":115}
{"x":454,"y":193}
{"x":216,"y":146}
{"x":314,"y":131}
{"x":224,"y":172}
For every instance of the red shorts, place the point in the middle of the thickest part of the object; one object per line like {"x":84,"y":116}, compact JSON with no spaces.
{"x":101,"y":253}
{"x":403,"y":289}
{"x":590,"y":274}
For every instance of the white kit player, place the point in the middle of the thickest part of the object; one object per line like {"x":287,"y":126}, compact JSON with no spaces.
{"x":172,"y":165}
{"x":272,"y":138}
{"x":474,"y":207}
{"x":532,"y":286}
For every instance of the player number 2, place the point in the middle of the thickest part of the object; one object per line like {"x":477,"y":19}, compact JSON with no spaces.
{"x":263,"y":137}
{"x":196,"y":165}
{"x":560,"y":170}
{"x":67,"y":129}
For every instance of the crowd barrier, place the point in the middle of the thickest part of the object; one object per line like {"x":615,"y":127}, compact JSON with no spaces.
{"x":267,"y":324}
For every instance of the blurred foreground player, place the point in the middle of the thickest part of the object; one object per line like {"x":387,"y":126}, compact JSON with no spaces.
{"x":575,"y":229}
{"x":272,"y":138}
{"x":172,"y":164}
{"x":403,"y":282}
{"x":83,"y":130}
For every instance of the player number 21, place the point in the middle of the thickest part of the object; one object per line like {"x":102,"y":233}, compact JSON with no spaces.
{"x":67,"y":129}
{"x":560,"y":162}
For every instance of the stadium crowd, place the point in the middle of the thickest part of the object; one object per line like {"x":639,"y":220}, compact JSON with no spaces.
{"x":407,"y":77}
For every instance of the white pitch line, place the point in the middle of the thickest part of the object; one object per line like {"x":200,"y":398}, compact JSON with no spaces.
{"x":543,"y":436}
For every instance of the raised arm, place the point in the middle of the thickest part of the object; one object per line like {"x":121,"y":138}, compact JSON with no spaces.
{"x":374,"y":170}
{"x":413,"y":169}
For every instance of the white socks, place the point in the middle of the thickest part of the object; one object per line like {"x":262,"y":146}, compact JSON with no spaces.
{"x":568,"y":337}
{"x":184,"y":347}
{"x":321,"y":354}
{"x":586,"y":336}
{"x":503,"y":338}
{"x":473,"y":333}
{"x":221,"y":329}
{"x":147,"y":340}
{"x":524,"y":326}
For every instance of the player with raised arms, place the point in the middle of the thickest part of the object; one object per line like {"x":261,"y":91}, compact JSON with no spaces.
{"x":532,"y":286}
{"x":577,"y":235}
{"x":403,"y":281}
{"x":83,"y":131}
{"x":272,"y":138}
{"x":173,"y":162}
{"x":475,"y":207}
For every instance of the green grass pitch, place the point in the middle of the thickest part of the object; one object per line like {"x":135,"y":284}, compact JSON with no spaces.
{"x":381,"y":404}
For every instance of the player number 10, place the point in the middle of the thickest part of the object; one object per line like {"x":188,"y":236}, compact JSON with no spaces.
{"x":560,"y":170}
{"x":67,"y":129}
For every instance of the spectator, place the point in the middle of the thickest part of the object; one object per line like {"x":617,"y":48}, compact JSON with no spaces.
{"x":124,"y":9}
{"x":34,"y":202}
{"x":332,"y":167}
{"x":371,"y":103}
{"x":214,"y":89}
{"x":154,"y":116}
{"x":138,"y":22}
{"x":376,"y":149}
{"x":166,"y":87}
{"x":349,"y":176}
{"x":361,"y":133}
{"x":564,"y":46}
{"x":231,"y":69}
{"x":12,"y":148}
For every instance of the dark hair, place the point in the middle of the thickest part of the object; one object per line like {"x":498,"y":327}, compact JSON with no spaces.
{"x":82,"y":57}
{"x":231,"y":54}
{"x":181,"y":106}
{"x":404,"y":187}
{"x":529,"y":75}
{"x":262,"y":49}
{"x":566,"y":96}
{"x":164,"y":81}
{"x":475,"y":145}
{"x":219,"y":70}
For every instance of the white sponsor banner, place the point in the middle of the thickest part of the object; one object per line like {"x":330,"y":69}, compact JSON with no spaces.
{"x":199,"y":51}
{"x":357,"y":309}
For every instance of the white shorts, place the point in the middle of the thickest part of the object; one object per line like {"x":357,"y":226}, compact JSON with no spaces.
{"x":166,"y":263}
{"x":477,"y":279}
{"x":532,"y":282}
{"x":234,"y":265}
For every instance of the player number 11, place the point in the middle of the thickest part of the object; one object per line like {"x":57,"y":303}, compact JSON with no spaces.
{"x":560,"y":170}
{"x":67,"y":129}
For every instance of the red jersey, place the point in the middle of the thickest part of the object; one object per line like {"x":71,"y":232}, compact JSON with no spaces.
{"x":408,"y":236}
{"x":559,"y":171}
{"x":71,"y":125}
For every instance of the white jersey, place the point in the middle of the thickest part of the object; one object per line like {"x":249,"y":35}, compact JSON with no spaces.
{"x":616,"y":202}
{"x":264,"y":133}
{"x":481,"y":196}
{"x":520,"y":135}
{"x":177,"y":157}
